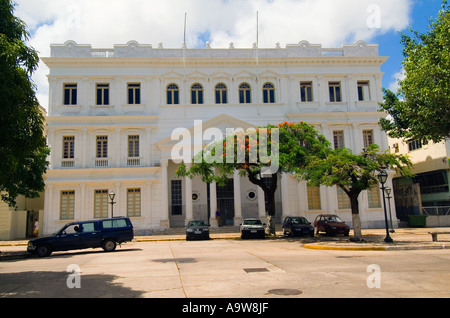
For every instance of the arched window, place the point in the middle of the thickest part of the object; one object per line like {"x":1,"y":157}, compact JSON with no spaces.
{"x":196,"y":94}
{"x":268,"y":93}
{"x":221,"y":93}
{"x":173,"y":94}
{"x":245,"y":96}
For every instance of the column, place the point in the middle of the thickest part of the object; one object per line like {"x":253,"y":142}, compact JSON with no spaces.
{"x":261,"y":204}
{"x":237,"y":198}
{"x":117,"y":147}
{"x":284,"y":196}
{"x":213,"y":204}
{"x":188,"y":192}
{"x":164,"y":221}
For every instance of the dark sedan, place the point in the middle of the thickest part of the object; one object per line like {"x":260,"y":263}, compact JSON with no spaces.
{"x":297,"y":226}
{"x":197,"y":229}
{"x":331,"y":224}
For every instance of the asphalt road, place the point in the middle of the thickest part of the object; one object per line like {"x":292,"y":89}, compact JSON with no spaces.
{"x":228,"y":269}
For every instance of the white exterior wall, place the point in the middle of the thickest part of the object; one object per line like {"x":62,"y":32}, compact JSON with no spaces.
{"x":153,"y":120}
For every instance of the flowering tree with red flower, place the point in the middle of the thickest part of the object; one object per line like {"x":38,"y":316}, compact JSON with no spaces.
{"x":262,"y":152}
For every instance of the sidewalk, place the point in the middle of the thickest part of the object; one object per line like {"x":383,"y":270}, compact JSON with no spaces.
{"x":403,"y":239}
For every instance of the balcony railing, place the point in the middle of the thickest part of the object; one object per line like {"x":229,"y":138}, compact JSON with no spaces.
{"x":101,"y":162}
{"x":133,"y":161}
{"x":67,"y":163}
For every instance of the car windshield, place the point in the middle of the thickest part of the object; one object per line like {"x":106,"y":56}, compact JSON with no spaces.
{"x":252,"y":222}
{"x":197,"y":223}
{"x":299,"y":221}
{"x":333,"y":218}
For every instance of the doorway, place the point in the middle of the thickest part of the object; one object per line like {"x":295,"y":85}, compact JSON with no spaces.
{"x":225,"y":202}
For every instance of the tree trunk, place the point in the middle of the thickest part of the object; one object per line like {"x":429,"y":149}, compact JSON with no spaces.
{"x":271,"y":211}
{"x":269,"y":192}
{"x":357,"y":237}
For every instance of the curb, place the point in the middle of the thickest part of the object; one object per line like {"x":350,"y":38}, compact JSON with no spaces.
{"x":375,"y":248}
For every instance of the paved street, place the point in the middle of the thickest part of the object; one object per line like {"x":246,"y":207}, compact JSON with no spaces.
{"x":231,"y":268}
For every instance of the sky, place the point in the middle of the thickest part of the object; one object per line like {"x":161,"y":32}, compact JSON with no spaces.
{"x":103,"y":23}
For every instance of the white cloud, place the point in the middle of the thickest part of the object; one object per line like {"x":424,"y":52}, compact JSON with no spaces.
{"x":394,"y":86}
{"x":103,"y":23}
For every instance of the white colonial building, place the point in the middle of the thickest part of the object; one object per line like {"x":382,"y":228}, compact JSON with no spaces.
{"x":112,"y":113}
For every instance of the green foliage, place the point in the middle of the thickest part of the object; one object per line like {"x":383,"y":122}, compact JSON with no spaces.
{"x":353,"y":173}
{"x":421,"y":110}
{"x":23,"y":148}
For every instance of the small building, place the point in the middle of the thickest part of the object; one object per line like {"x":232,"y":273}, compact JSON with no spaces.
{"x":427,"y":193}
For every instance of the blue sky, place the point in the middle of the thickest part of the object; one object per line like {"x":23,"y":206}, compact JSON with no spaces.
{"x":390,"y":45}
{"x":103,"y":23}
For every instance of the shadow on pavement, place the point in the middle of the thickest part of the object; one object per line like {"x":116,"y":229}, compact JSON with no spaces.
{"x":42,"y":284}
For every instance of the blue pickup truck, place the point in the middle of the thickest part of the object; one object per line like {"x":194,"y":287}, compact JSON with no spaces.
{"x":104,"y":233}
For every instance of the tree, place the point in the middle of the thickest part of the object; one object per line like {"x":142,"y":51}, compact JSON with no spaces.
{"x":421,"y":109}
{"x":23,"y":149}
{"x":269,"y":150}
{"x":353,"y":174}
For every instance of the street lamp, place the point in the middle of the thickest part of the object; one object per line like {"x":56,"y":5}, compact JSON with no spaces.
{"x":388,"y":192}
{"x":382,"y":177}
{"x":111,"y":197}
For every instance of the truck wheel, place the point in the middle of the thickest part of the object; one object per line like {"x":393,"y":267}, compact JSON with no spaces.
{"x":43,"y":250}
{"x":109,"y":245}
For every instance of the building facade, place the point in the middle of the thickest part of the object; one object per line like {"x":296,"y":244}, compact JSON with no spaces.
{"x":113,"y":116}
{"x":428,"y":192}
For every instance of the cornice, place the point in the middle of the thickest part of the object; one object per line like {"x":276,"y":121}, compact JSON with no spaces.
{"x":180,"y":62}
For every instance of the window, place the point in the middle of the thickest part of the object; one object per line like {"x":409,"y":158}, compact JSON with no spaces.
{"x":245,"y":94}
{"x":176,"y":199}
{"x":306,"y":92}
{"x":101,"y":204}
{"x":67,"y":205}
{"x":343,"y":199}
{"x":196,"y":94}
{"x":134,"y":93}
{"x":338,"y":139}
{"x":70,"y":94}
{"x":102,"y":91}
{"x":68,"y":147}
{"x":173,"y":94}
{"x":373,"y":195}
{"x":133,"y":202}
{"x":221,"y":93}
{"x":268,"y":93}
{"x":102,"y":146}
{"x":432,"y":182}
{"x":335,"y":91}
{"x":414,"y":144}
{"x":363,"y":90}
{"x":313,"y":193}
{"x":107,"y":224}
{"x":368,"y":137}
{"x":87,"y":227}
{"x":133,"y":146}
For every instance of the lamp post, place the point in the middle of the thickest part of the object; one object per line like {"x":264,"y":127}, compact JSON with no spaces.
{"x":382,"y":177}
{"x":111,"y":197}
{"x":388,"y":192}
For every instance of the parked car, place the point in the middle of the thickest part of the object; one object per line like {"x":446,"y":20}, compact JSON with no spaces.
{"x":253,"y":228}
{"x":197,"y":229}
{"x":297,"y":226}
{"x":331,"y":224}
{"x":105,"y":233}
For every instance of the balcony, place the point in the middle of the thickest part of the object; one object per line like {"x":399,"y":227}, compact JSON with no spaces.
{"x":101,"y":162}
{"x":133,"y":161}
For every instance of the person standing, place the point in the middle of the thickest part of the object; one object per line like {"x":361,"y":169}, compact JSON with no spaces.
{"x":36,"y":228}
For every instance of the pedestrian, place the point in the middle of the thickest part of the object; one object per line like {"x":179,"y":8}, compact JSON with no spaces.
{"x":219,"y":220}
{"x":36,"y":228}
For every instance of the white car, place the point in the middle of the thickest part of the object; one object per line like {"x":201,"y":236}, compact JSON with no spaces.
{"x":253,"y":228}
